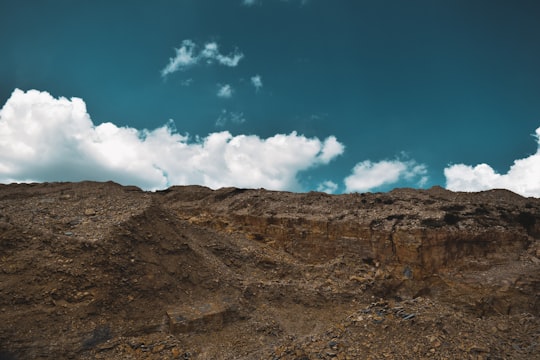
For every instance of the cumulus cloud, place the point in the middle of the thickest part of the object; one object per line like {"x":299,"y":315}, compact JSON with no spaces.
{"x":331,"y":149}
{"x":328,"y":187}
{"x":368,"y":175}
{"x":523,"y":177}
{"x":187,"y":56}
{"x":225,"y":91}
{"x":47,"y":139}
{"x":257,"y":82}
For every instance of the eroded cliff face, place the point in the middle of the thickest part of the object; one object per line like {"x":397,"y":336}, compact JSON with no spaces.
{"x":426,"y":230}
{"x":414,"y":237}
{"x":97,"y":270}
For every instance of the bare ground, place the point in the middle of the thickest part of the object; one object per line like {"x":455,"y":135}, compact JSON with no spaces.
{"x":101,"y":271}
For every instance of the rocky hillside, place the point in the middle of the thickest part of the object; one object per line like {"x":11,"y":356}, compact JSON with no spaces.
{"x":100,"y":271}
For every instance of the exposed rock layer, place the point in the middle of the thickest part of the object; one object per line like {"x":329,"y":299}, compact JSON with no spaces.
{"x":90,"y":270}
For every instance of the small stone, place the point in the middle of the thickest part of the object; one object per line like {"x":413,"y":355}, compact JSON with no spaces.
{"x":479,"y":349}
{"x":68,"y":233}
{"x":503,"y":327}
{"x":158,"y":348}
{"x":380,"y":274}
{"x":74,"y":222}
{"x":90,"y":212}
{"x":409,"y":316}
{"x":407,"y":272}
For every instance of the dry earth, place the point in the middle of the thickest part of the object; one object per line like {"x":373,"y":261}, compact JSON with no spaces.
{"x":100,"y":271}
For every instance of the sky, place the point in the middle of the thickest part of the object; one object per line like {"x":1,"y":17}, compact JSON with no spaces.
{"x":337,"y":96}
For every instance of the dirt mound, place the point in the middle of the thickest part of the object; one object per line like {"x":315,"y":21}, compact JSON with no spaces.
{"x":96,"y":270}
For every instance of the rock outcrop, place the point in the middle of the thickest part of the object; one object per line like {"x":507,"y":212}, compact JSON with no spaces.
{"x":97,"y":270}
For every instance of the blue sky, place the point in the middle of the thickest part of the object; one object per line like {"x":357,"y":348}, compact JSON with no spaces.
{"x":297,"y":95}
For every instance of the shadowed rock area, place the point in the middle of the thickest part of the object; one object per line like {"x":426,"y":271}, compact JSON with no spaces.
{"x":101,"y":271}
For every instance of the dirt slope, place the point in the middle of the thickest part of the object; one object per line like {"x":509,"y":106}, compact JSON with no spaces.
{"x":97,"y":270}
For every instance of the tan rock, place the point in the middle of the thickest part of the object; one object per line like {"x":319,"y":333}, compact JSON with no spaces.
{"x":89,"y":212}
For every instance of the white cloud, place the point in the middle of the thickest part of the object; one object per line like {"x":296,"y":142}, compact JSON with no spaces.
{"x":249,"y":2}
{"x":211,"y":54}
{"x":225,"y":91}
{"x":523,"y":177}
{"x":210,"y":51}
{"x":257,"y":82}
{"x":328,"y":187}
{"x":47,"y":139}
{"x":186,"y":56}
{"x":230,"y":116}
{"x":331,"y":149}
{"x":369,"y":175}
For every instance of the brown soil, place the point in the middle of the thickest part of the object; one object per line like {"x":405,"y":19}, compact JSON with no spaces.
{"x":100,"y":271}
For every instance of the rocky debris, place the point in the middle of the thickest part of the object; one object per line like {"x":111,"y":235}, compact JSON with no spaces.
{"x":381,"y":331}
{"x":206,"y":316}
{"x":100,"y":271}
